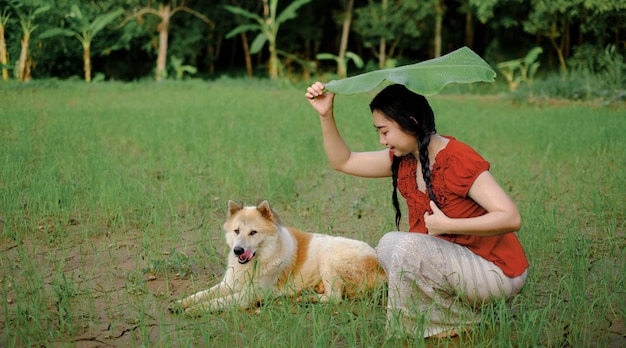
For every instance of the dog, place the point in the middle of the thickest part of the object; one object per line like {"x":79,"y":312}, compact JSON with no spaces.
{"x":266,"y":258}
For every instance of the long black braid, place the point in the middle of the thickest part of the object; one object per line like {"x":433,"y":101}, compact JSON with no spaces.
{"x":395,"y":165}
{"x":422,"y":146}
{"x":414,"y":115}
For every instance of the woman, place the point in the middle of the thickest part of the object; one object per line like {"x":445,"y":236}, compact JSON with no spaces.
{"x":460,"y":251}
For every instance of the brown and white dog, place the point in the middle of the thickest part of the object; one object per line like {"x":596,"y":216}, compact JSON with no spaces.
{"x":266,"y":258}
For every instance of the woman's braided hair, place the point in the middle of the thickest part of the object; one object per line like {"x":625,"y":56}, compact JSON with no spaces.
{"x":413,"y":115}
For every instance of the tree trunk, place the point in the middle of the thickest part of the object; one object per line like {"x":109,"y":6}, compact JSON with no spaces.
{"x":29,"y":64}
{"x":246,"y":53}
{"x":580,"y":35}
{"x":566,"y":40}
{"x":469,"y":30}
{"x":165,"y":12}
{"x":343,"y":46}
{"x":559,"y":50}
{"x":438,"y":22}
{"x":87,"y":60}
{"x":273,"y":60}
{"x":213,"y":51}
{"x":23,"y":57}
{"x":382,"y":56}
{"x":3,"y":54}
{"x":382,"y":47}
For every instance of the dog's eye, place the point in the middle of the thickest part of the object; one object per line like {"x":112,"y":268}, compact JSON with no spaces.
{"x":236,"y":231}
{"x":252,"y":233}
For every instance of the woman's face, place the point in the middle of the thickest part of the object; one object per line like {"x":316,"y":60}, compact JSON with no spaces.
{"x":393,"y":137}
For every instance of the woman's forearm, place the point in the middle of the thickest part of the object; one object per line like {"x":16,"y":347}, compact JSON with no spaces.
{"x":490,"y":224}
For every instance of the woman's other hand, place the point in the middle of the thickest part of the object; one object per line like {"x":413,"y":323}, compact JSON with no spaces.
{"x":435,"y":222}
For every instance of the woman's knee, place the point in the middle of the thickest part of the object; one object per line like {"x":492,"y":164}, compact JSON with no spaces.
{"x":388,"y":244}
{"x":401,"y":247}
{"x":390,"y":238}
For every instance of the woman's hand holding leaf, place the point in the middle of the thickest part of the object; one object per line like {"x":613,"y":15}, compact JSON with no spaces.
{"x":320,"y":100}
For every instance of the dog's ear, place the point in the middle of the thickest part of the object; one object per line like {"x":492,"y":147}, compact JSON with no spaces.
{"x":267,"y":212}
{"x":233,"y":207}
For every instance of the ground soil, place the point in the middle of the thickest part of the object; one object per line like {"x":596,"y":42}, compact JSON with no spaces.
{"x":109,"y":281}
{"x":112,"y":287}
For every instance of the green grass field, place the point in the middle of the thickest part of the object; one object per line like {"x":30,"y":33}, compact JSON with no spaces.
{"x":112,"y":198}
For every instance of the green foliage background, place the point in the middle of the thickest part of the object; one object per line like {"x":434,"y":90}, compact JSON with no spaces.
{"x":497,"y":30}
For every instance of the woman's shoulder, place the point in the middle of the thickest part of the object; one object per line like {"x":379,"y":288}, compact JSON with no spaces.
{"x":456,"y":147}
{"x":460,"y":154}
{"x":458,"y":167}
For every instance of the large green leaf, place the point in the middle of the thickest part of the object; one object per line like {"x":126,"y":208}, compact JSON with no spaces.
{"x":243,"y":12}
{"x":242,"y":28}
{"x":78,"y":14}
{"x":56,"y":32}
{"x":290,"y":11}
{"x":427,"y":77}
{"x":41,"y":10}
{"x":258,"y":43}
{"x":103,"y":20}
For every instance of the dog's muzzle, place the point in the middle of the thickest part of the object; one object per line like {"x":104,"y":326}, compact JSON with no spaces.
{"x":244,"y":255}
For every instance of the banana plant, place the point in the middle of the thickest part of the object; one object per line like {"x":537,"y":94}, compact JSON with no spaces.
{"x":267,"y":26}
{"x":307,"y":66}
{"x":427,"y":77}
{"x":84,"y":29}
{"x":342,"y":64}
{"x":164,"y":12}
{"x":521,"y":70}
{"x":27,"y":22}
{"x":4,"y":61}
{"x":180,"y":68}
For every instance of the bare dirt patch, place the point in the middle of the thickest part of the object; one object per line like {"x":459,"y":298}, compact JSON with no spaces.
{"x":99,"y":291}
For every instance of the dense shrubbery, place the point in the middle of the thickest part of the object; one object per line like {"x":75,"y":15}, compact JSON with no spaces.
{"x":591,"y":77}
{"x":576,"y":85}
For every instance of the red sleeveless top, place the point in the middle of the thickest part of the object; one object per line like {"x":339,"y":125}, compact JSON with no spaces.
{"x":454,"y":171}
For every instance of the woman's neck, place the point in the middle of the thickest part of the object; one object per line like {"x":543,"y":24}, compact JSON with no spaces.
{"x":437,"y":143}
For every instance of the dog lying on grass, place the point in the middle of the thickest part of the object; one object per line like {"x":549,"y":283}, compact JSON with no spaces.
{"x":268,"y":258}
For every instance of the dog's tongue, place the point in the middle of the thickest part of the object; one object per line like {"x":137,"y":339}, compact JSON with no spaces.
{"x":247,"y":255}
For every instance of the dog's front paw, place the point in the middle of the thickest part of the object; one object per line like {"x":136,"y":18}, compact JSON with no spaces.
{"x":194,"y":311}
{"x":176,"y":307}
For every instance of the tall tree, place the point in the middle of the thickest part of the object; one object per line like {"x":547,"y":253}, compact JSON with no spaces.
{"x":439,"y":13}
{"x":267,"y":26}
{"x":500,"y":34}
{"x":27,"y":11}
{"x":84,"y":29}
{"x":345,"y":32}
{"x":552,"y":19}
{"x":4,"y":19}
{"x":484,"y":8}
{"x":245,"y":46}
{"x":164,"y":11}
{"x":469,"y":23}
{"x":555,"y":18}
{"x":387,"y":27}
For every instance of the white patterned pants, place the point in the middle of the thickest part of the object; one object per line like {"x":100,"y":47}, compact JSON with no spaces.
{"x":436,"y":285}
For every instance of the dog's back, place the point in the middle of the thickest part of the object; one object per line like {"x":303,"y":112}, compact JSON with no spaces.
{"x":336,"y":266}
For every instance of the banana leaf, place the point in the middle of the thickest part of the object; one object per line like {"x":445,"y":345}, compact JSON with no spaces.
{"x":427,"y":78}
